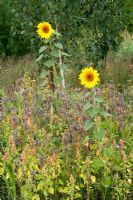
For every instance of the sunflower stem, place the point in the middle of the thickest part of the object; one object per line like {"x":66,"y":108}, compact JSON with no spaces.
{"x":94,"y":96}
{"x":60,"y":63}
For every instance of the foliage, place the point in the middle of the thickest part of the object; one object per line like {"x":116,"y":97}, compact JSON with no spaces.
{"x":125,"y":51}
{"x":105,"y":20}
{"x":129,"y":15}
{"x":93,"y":26}
{"x":52,"y":156}
{"x":4,"y":26}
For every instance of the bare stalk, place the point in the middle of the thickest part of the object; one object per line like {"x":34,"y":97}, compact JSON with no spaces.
{"x":60,"y":63}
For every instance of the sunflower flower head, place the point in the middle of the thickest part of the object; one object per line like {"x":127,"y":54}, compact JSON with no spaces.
{"x":45,"y":30}
{"x":89,"y":77}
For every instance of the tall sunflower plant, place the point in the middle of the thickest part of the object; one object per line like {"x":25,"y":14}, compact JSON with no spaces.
{"x":94,"y":106}
{"x":51,"y":56}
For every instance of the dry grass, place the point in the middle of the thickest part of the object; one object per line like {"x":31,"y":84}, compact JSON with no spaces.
{"x":13,"y":69}
{"x":118,"y":72}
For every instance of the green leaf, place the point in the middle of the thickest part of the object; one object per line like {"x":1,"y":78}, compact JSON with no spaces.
{"x":40,"y":186}
{"x":56,"y":33}
{"x":109,"y":151}
{"x":99,"y":134}
{"x":44,"y":73}
{"x":94,"y":112}
{"x":99,"y":99}
{"x":65,"y":54}
{"x":60,"y":182}
{"x":60,"y":189}
{"x":39,"y":58}
{"x":43,"y":48}
{"x":55,"y":53}
{"x":1,"y":170}
{"x":97,"y":164}
{"x":11,"y":173}
{"x":57,"y":79}
{"x":59,"y":45}
{"x":105,"y":114}
{"x":46,"y":41}
{"x":87,"y":138}
{"x":36,"y":197}
{"x":25,"y":192}
{"x":63,"y":66}
{"x":51,"y":190}
{"x":45,"y":192}
{"x":39,"y":177}
{"x":50,"y":63}
{"x":88,"y":125}
{"x":77,"y":195}
{"x":86,"y":107}
{"x":106,"y":181}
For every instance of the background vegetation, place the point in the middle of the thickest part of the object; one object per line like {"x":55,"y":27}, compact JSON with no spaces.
{"x":96,"y":26}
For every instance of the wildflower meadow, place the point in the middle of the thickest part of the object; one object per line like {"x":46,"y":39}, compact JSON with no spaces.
{"x":66,"y":100}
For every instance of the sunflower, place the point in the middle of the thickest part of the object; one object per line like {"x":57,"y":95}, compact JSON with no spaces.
{"x":45,"y":30}
{"x":89,"y":77}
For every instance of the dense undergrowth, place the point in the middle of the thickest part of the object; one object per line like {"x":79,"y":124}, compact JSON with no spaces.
{"x":48,"y":153}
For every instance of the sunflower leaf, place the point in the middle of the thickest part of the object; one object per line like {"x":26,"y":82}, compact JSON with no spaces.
{"x":55,"y":53}
{"x":65,"y":54}
{"x":42,"y":49}
{"x":63,"y":66}
{"x":59,"y":45}
{"x":56,"y":33}
{"x":39,"y":58}
{"x":49,"y":63}
{"x":44,"y":73}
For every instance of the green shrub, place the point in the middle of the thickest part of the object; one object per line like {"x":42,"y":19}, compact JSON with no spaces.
{"x":5,"y":27}
{"x":125,"y":51}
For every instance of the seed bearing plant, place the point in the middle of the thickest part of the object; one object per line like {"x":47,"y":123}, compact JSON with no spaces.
{"x":89,"y":77}
{"x":51,"y":56}
{"x":45,"y":30}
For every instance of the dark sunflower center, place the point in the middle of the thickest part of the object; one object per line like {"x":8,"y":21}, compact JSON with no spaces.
{"x":45,"y":29}
{"x":90,"y":77}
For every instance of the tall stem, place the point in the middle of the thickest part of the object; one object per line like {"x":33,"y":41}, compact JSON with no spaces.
{"x":94,"y":96}
{"x":61,"y":70}
{"x":60,"y":63}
